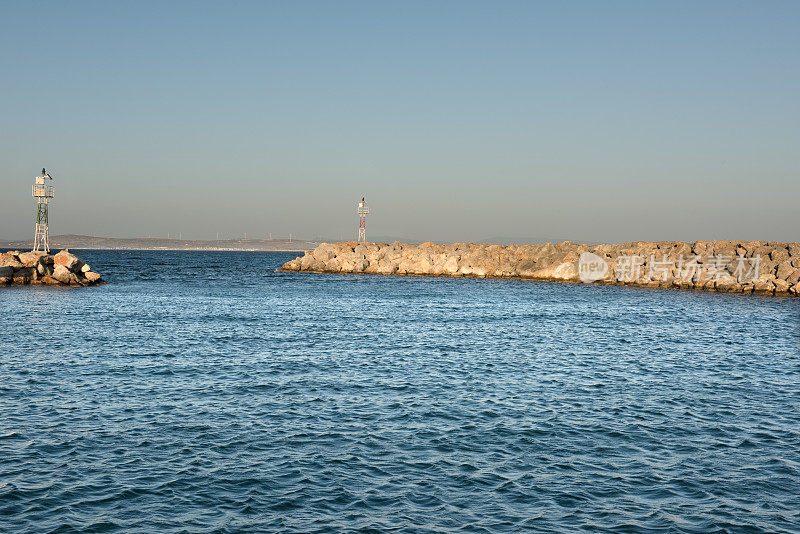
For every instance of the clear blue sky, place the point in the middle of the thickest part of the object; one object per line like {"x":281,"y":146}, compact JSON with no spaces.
{"x":596,"y":121}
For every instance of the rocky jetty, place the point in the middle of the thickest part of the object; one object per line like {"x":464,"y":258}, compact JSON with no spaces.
{"x":765,"y":267}
{"x":63,"y":269}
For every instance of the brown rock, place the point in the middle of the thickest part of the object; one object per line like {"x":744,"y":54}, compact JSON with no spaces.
{"x":44,"y":269}
{"x":61,"y":273}
{"x":323,"y":254}
{"x":93,"y":277}
{"x":781,"y":286}
{"x":567,"y":271}
{"x":779,"y":255}
{"x":386,"y":268}
{"x":30,"y":259}
{"x":10,"y":260}
{"x":293,"y":265}
{"x":451,"y":265}
{"x":307,"y":262}
{"x":78,"y":281}
{"x":66,"y":259}
{"x":23,"y":276}
{"x":763,"y":286}
{"x":726,"y":282}
{"x":784,"y":269}
{"x":345,"y":265}
{"x":700,"y":247}
{"x":6,"y":275}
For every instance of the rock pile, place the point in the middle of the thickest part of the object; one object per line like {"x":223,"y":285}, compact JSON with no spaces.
{"x":766,"y":267}
{"x":66,"y":269}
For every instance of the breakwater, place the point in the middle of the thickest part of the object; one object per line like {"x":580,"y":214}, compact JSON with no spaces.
{"x":765,"y":267}
{"x":63,"y":268}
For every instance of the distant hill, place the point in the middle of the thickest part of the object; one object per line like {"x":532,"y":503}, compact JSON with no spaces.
{"x":92,"y":242}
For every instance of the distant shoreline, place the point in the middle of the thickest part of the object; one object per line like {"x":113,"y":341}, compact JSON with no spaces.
{"x":4,"y":248}
{"x":155,"y":244}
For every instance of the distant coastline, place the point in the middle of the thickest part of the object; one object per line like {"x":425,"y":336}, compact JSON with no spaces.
{"x":113,"y":243}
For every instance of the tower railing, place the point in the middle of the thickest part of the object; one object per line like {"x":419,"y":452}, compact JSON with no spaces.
{"x":42,"y":191}
{"x":363,"y":211}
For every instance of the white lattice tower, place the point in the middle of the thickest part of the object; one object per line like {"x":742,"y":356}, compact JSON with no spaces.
{"x":42,"y":193}
{"x":363,"y":211}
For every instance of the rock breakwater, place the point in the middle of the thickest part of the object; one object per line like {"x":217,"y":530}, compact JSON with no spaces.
{"x":765,"y":267}
{"x":64,"y":269}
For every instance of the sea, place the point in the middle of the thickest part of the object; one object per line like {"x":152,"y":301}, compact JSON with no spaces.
{"x":208,"y":392}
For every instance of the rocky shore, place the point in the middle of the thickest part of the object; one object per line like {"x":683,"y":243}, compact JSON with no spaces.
{"x":63,"y":269}
{"x":765,"y":267}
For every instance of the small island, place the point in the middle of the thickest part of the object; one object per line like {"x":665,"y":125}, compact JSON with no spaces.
{"x":33,"y":268}
{"x":764,"y":267}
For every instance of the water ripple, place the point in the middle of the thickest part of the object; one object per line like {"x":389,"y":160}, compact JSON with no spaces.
{"x":205,"y":392}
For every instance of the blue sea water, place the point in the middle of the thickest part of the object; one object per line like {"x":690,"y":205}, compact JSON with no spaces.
{"x":206,"y":392}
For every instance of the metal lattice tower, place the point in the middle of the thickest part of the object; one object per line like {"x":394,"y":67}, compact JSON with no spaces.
{"x":42,"y":193}
{"x":363,"y":211}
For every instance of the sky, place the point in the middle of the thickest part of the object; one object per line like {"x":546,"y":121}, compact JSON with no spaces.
{"x":458,"y":121}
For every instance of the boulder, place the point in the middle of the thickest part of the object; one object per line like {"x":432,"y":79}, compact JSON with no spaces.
{"x":66,"y":259}
{"x":386,"y":268}
{"x":763,"y":286}
{"x":407,"y":266}
{"x":726,"y":282}
{"x":30,"y":259}
{"x":779,"y":255}
{"x":784,"y":269}
{"x":10,"y":260}
{"x":451,"y":265}
{"x":360,"y":266}
{"x":76,"y":280}
{"x":23,"y":276}
{"x":424,"y":266}
{"x":567,"y":271}
{"x":781,"y":286}
{"x":307,"y":262}
{"x":527,"y":268}
{"x":65,"y":268}
{"x":93,"y":277}
{"x":61,"y":273}
{"x":293,"y":265}
{"x":6,"y":275}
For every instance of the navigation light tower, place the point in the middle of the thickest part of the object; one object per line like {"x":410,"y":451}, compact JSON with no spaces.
{"x":363,"y":211}
{"x":42,"y":193}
